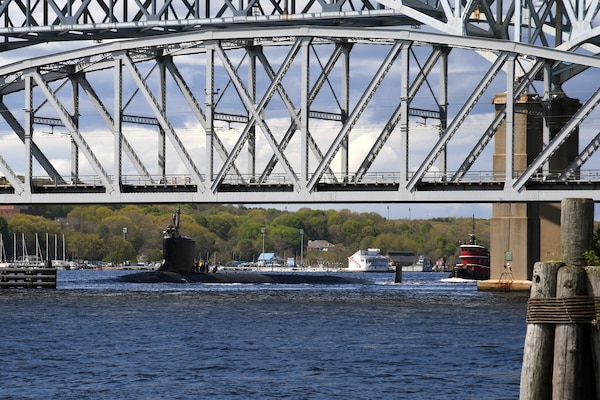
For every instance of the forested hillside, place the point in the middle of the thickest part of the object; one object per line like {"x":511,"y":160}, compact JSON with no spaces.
{"x":228,"y":233}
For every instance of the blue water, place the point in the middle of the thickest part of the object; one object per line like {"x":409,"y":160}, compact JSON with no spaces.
{"x":97,"y":338}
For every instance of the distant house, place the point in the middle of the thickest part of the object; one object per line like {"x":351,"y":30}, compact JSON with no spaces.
{"x":402,"y":258}
{"x":319,"y":245}
{"x":269,"y":259}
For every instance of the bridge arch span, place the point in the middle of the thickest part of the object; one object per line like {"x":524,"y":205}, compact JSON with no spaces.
{"x":293,"y":114}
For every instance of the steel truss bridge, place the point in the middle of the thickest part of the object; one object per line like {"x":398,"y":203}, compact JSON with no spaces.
{"x":149,"y":101}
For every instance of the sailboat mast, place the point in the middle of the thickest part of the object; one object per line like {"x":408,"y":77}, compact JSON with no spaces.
{"x":3,"y":256}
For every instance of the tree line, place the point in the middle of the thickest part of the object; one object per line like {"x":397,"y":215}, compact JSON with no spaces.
{"x":233,"y":232}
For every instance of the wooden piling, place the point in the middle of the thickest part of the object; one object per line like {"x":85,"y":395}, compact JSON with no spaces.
{"x":567,"y":382}
{"x":564,"y":305}
{"x":569,"y":373}
{"x":577,"y":229}
{"x":536,"y":372}
{"x":593,"y":274}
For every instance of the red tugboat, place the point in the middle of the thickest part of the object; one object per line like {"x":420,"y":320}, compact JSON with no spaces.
{"x":474,"y":261}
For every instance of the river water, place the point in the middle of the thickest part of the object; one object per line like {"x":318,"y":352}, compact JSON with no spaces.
{"x":98,"y":338}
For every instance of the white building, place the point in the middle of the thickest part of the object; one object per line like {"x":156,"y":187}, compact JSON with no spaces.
{"x":369,"y":260}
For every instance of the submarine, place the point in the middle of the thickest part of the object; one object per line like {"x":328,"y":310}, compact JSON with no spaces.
{"x":178,"y":266}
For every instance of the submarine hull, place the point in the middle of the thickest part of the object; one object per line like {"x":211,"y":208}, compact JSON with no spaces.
{"x":235,"y":277}
{"x":178,"y":266}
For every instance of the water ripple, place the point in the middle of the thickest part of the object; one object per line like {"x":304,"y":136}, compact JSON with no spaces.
{"x":96,"y":338}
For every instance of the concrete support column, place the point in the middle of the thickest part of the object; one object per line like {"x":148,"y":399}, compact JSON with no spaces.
{"x":522,"y":234}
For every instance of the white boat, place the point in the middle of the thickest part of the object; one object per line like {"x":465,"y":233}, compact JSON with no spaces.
{"x":423,"y":264}
{"x":3,"y":260}
{"x":369,"y":260}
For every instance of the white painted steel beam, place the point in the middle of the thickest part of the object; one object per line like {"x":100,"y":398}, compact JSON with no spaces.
{"x":355,"y":114}
{"x":72,"y":129}
{"x":163,"y":120}
{"x":458,"y":120}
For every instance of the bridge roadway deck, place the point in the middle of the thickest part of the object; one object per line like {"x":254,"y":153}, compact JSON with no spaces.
{"x":433,"y":191}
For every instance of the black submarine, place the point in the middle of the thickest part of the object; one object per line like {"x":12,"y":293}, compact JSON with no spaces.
{"x":178,"y":266}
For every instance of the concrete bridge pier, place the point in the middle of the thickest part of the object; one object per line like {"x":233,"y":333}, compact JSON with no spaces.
{"x":522,"y":234}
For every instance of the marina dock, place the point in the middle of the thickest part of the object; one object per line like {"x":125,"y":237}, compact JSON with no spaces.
{"x":25,"y":277}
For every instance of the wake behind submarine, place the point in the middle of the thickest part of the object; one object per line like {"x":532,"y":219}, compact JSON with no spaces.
{"x":178,"y":266}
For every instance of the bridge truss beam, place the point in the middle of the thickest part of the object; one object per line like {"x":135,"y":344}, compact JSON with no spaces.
{"x":293,"y":115}
{"x":24,"y":22}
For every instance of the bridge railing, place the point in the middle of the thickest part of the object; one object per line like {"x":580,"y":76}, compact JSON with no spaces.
{"x":282,"y":179}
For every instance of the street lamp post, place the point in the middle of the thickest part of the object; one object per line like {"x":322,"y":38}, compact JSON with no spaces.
{"x":301,"y":248}
{"x":263,"y":244}
{"x":124,"y":234}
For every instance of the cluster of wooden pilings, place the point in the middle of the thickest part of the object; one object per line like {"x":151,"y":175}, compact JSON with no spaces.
{"x":561,"y":356}
{"x":27,"y":277}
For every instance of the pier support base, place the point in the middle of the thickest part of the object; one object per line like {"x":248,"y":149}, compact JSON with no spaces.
{"x":504,"y":285}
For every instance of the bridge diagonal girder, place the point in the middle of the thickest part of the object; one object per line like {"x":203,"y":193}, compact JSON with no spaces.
{"x":457,"y":121}
{"x":162,"y":118}
{"x":538,"y":34}
{"x":73,"y":129}
{"x":395,"y":118}
{"x":109,"y":121}
{"x":137,"y":89}
{"x":319,"y":82}
{"x":255,"y":117}
{"x":564,"y":133}
{"x":294,"y":120}
{"x":581,"y":159}
{"x":495,"y":28}
{"x":11,"y":177}
{"x":39,"y":156}
{"x":197,"y":111}
{"x":488,"y":134}
{"x":356,"y":112}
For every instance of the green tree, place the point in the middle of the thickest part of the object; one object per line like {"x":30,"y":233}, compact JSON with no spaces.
{"x":316,"y":226}
{"x":352,"y":231}
{"x":113,"y":226}
{"x":292,"y":220}
{"x":245,"y":250}
{"x":120,"y":251}
{"x":82,"y":219}
{"x":86,"y":246}
{"x":284,"y":239}
{"x":220,"y":224}
{"x":4,"y":228}
{"x":30,"y":230}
